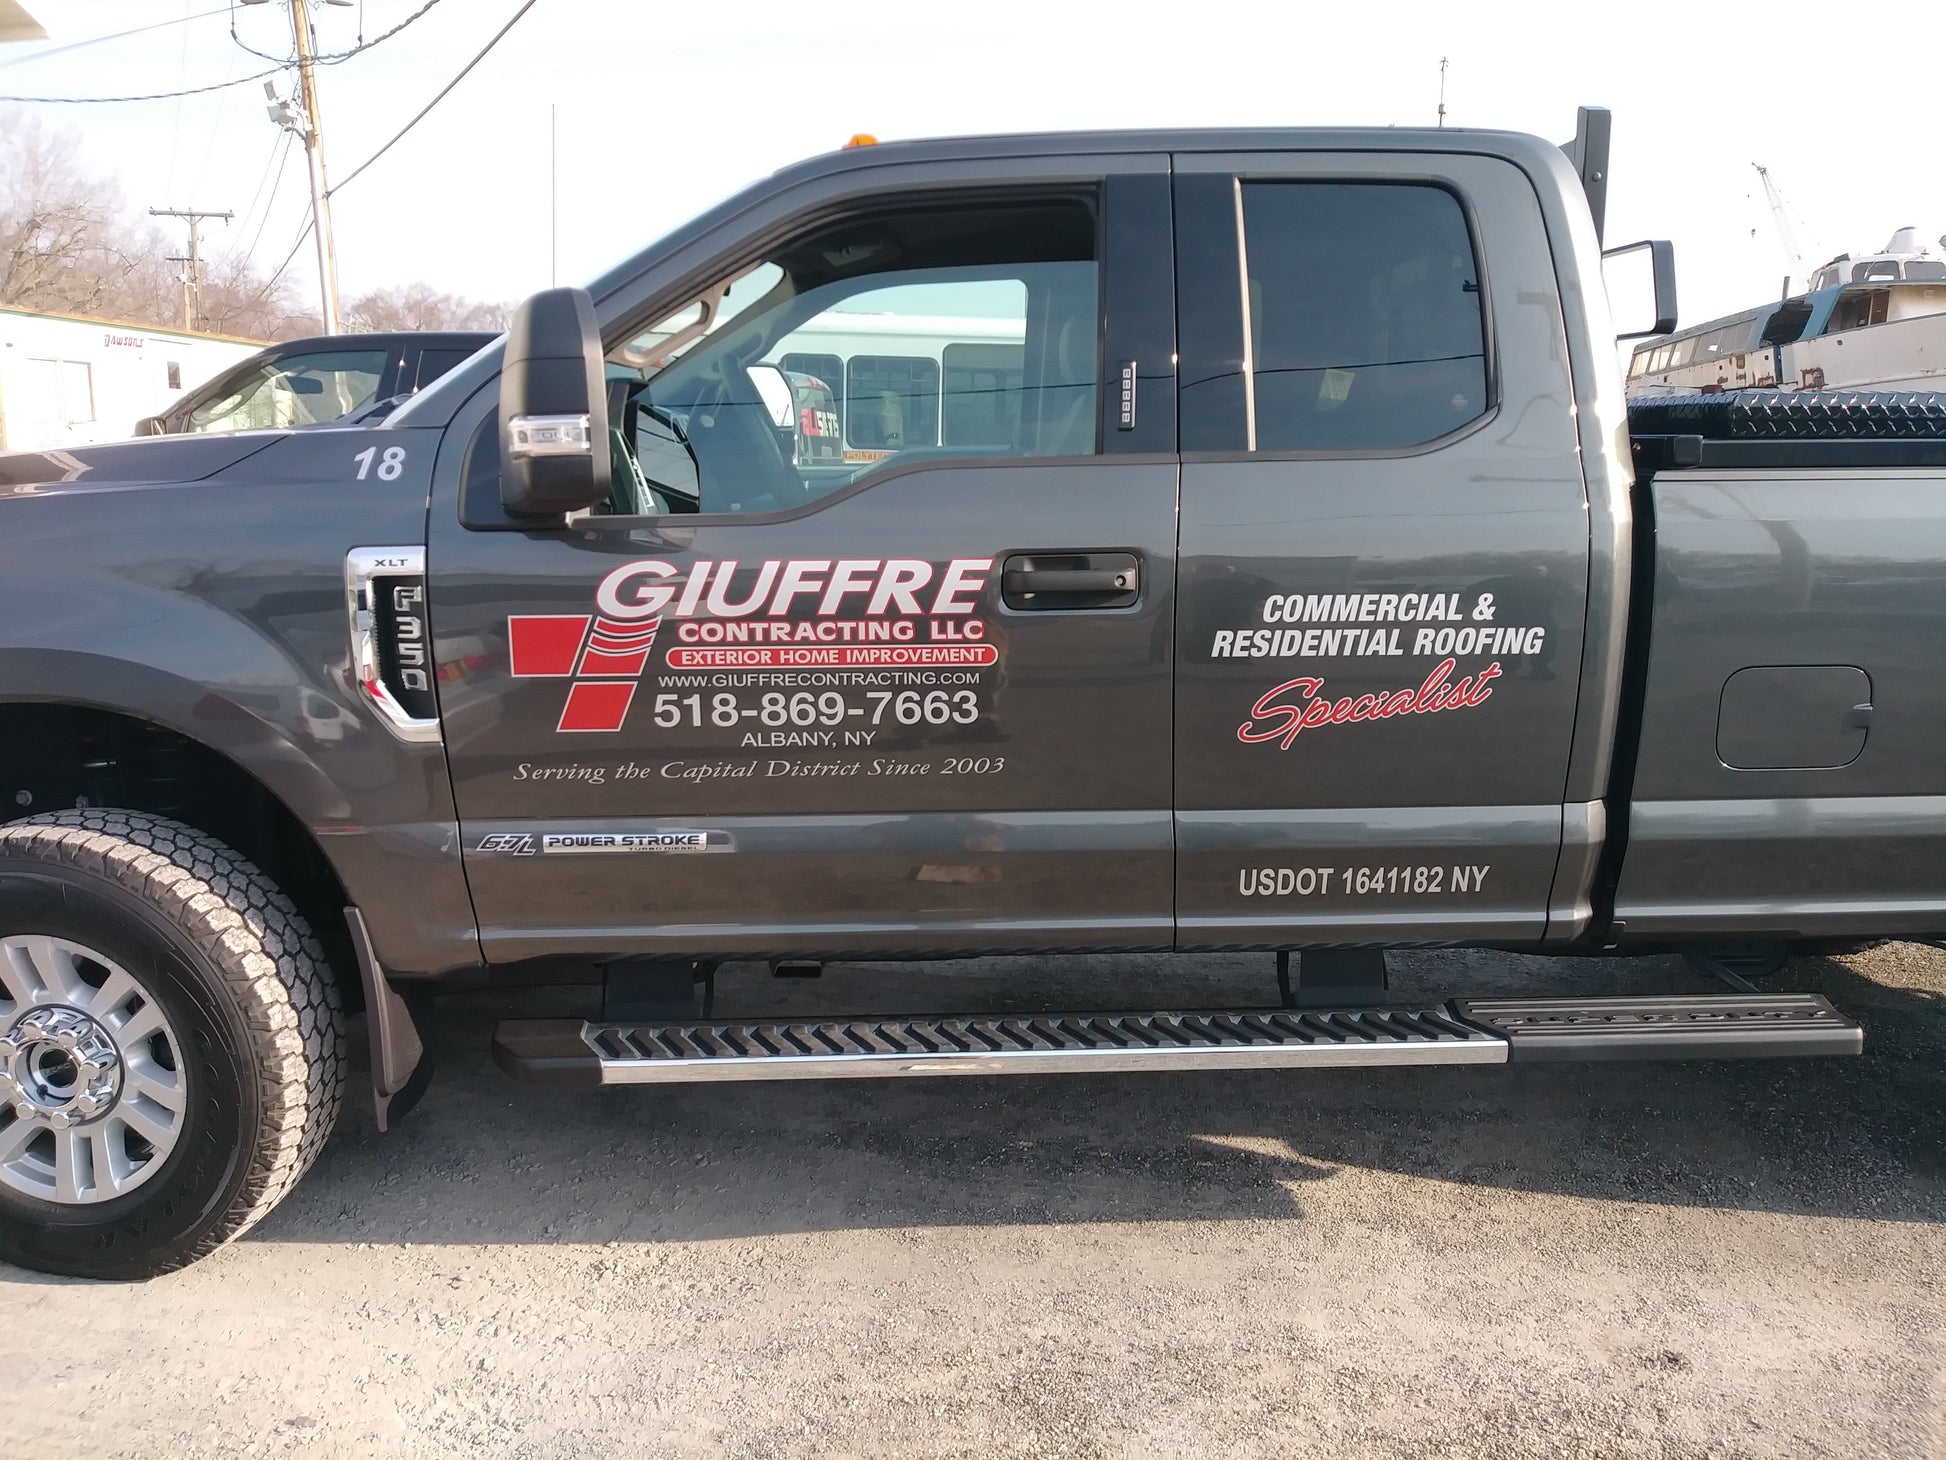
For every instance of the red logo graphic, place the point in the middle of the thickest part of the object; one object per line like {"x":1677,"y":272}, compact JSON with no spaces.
{"x":605,"y":657}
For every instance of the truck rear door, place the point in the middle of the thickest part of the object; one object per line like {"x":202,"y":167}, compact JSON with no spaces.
{"x":756,"y":708}
{"x":1384,"y":551}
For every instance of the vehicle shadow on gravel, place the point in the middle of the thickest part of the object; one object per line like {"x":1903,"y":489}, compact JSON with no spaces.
{"x":485,"y":1161}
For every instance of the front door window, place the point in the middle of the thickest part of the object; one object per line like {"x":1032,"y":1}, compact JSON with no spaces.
{"x":903,"y":337}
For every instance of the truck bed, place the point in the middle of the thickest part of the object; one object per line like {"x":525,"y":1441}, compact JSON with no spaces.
{"x":1784,"y":777}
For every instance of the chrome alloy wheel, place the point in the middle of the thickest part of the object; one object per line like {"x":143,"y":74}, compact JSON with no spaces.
{"x":92,"y":1093}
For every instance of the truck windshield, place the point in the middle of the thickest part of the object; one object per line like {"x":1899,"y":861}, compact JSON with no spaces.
{"x":296,"y":390}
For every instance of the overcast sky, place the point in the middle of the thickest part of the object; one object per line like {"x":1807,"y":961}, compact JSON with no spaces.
{"x":664,"y":109}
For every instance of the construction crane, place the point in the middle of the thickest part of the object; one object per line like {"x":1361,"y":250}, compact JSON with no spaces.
{"x":1786,"y":234}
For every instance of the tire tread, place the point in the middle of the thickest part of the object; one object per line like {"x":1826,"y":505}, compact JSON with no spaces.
{"x":270,"y":964}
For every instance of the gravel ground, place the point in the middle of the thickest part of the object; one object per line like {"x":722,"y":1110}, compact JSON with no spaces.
{"x":1740,"y":1259}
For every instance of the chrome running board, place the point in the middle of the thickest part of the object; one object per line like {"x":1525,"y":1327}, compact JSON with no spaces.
{"x":568,"y":1052}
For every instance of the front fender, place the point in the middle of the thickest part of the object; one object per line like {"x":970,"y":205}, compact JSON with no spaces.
{"x":217,"y":610}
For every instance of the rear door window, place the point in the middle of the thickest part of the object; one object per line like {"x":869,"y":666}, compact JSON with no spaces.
{"x":1364,"y":315}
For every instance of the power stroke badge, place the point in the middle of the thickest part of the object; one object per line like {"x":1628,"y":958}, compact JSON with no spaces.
{"x":597,"y":843}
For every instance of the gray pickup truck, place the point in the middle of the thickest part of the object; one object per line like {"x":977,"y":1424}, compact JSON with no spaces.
{"x":1221,"y":540}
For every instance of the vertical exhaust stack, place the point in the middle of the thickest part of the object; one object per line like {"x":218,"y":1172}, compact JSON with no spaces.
{"x":1589,"y":154}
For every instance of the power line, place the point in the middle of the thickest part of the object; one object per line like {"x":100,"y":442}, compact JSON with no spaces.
{"x":192,"y":286}
{"x":330,"y":58}
{"x":117,"y":36}
{"x":269,"y":203}
{"x":479,"y":57}
{"x":278,"y":146}
{"x":271,"y":282}
{"x":363,"y":45}
{"x":237,"y":41}
{"x":152,"y":96}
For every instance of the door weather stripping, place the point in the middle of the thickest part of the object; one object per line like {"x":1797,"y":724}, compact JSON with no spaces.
{"x":391,"y":639}
{"x":568,"y":1052}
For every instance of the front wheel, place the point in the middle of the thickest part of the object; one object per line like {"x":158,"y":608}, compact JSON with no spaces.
{"x":172,"y":1055}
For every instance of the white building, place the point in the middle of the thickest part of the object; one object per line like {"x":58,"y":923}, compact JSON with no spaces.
{"x":69,"y":381}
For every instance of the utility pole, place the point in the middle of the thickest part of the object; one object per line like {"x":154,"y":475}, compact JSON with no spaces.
{"x":192,"y":281}
{"x":314,"y":148}
{"x":309,"y":128}
{"x":1442,"y":92}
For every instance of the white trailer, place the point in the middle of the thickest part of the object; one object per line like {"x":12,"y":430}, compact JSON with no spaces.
{"x":71,"y":381}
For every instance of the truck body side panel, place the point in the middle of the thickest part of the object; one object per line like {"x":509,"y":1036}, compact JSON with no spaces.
{"x":1815,"y":598}
{"x":216,"y":608}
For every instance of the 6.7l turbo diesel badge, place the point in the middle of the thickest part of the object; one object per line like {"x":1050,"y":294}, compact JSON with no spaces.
{"x":558,"y":843}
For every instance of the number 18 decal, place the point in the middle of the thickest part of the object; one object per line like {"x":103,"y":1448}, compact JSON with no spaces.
{"x":391,"y":463}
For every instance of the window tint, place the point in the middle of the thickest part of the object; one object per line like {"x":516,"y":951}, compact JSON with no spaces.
{"x":297,"y":390}
{"x":982,"y":396}
{"x":922,"y":333}
{"x":828,"y":370}
{"x":435,"y":363}
{"x":892,"y":402}
{"x":1363,"y":305}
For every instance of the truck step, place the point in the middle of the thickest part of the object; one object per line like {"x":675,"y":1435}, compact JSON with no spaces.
{"x":571,"y":1053}
{"x":1666,"y":1026}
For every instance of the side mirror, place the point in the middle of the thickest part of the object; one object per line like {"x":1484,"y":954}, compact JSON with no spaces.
{"x":151,"y":426}
{"x":775,"y":391}
{"x":1641,"y":280}
{"x":553,"y":408}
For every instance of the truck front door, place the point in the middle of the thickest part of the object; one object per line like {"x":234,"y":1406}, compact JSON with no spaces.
{"x":761,"y":706}
{"x":1385,"y":549}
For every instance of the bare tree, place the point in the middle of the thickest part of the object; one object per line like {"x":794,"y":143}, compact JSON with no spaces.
{"x":239,"y":300}
{"x":69,"y":244}
{"x":421,"y":307}
{"x":65,"y":244}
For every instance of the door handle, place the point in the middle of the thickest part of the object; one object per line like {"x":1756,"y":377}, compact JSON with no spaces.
{"x":1066,"y":580}
{"x":1043,"y":581}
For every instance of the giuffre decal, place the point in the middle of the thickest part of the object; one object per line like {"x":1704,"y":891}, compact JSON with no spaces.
{"x":794,"y":613}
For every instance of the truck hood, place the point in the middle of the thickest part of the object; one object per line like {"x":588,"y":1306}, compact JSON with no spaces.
{"x":163,"y":460}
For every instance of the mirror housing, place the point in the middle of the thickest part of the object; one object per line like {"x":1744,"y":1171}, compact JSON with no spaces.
{"x":774,"y":390}
{"x":553,"y":408}
{"x":1649,"y":274}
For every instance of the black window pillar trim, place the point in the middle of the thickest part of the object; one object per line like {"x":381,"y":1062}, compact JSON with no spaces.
{"x":1138,"y":320}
